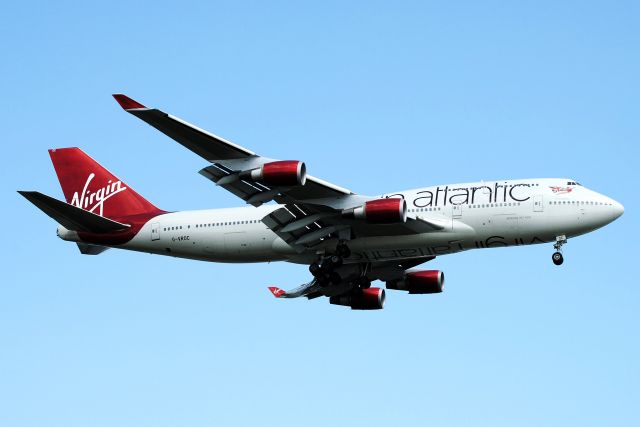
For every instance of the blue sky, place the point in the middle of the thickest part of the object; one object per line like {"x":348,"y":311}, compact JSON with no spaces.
{"x":374,"y":97}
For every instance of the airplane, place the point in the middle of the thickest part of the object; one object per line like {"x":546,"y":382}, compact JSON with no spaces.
{"x":348,"y":240}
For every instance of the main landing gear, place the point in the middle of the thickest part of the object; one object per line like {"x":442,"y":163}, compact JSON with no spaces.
{"x":557,"y":257}
{"x":342,"y":250}
{"x":323,"y":269}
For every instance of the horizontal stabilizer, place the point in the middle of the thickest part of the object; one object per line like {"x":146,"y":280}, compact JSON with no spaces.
{"x":71,"y":217}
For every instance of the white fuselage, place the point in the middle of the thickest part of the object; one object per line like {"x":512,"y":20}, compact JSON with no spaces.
{"x":471,"y":216}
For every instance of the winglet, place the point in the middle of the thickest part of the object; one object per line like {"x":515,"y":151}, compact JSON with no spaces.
{"x":277,"y":292}
{"x":126,"y":102}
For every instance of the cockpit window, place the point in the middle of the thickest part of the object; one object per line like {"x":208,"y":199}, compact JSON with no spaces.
{"x":573,"y":183}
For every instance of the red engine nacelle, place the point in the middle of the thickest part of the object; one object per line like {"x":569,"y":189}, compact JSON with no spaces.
{"x":287,"y":173}
{"x":420,"y":282}
{"x":381,"y":211}
{"x":365,"y":299}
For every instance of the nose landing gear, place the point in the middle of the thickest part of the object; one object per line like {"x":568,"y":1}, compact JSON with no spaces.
{"x":557,"y":257}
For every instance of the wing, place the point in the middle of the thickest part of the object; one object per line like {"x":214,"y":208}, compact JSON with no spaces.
{"x":310,"y":290}
{"x":227,"y":159}
{"x":312,"y":210}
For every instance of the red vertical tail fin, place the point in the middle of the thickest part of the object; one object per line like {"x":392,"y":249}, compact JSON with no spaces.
{"x":88,"y":185}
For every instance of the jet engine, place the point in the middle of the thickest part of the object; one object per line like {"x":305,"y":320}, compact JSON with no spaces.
{"x":363,"y":299}
{"x":286,"y":173}
{"x":420,"y":282}
{"x":381,"y":211}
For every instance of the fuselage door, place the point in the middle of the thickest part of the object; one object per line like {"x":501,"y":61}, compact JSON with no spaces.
{"x":538,"y":205}
{"x":155,"y":231}
{"x":456,"y":211}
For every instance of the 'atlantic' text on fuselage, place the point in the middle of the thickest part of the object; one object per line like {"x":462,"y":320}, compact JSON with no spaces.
{"x":442,"y":196}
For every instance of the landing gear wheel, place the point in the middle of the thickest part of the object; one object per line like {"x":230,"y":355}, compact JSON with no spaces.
{"x":336,"y":260}
{"x":323,"y":280}
{"x":343,"y":250}
{"x":557,"y":258}
{"x":326,"y":265}
{"x":335,"y":278}
{"x":315,"y":269}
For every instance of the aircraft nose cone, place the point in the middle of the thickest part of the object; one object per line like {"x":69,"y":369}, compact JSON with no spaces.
{"x":618,"y":209}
